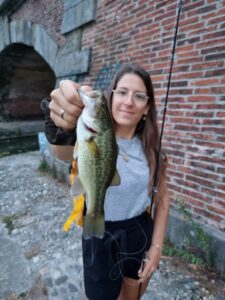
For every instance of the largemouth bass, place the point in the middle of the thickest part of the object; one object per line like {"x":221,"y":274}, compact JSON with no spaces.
{"x":96,"y":155}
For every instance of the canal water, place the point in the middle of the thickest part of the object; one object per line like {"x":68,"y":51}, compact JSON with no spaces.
{"x":18,"y":137}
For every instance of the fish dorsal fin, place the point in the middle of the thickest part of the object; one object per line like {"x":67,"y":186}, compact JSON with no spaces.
{"x":116,"y":179}
{"x":77,"y":187}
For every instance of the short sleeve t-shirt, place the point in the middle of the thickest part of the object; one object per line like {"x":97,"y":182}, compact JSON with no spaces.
{"x":130,"y":198}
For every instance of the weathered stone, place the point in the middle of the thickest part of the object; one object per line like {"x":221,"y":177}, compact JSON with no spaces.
{"x":10,"y":6}
{"x":70,"y":3}
{"x":48,"y":281}
{"x":61,"y":280}
{"x":12,"y":263}
{"x":44,"y":45}
{"x":72,"y":288}
{"x":73,"y":63}
{"x":72,"y":77}
{"x":72,"y":43}
{"x":4,"y":33}
{"x":21,"y":32}
{"x":179,"y":228}
{"x":78,"y":13}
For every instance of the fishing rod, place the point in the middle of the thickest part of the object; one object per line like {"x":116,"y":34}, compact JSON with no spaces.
{"x":156,"y":175}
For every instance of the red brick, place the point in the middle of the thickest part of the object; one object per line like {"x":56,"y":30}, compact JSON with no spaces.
{"x":193,"y":5}
{"x":220,"y":114}
{"x":181,"y":61}
{"x":201,"y":30}
{"x":204,"y":91}
{"x":218,"y":90}
{"x":190,"y":75}
{"x":208,"y":65}
{"x":214,"y":35}
{"x":206,"y":82}
{"x":214,"y":122}
{"x":200,"y":114}
{"x":202,"y":98}
{"x":210,"y":106}
{"x":216,"y":209}
{"x":220,"y":202}
{"x":208,"y":214}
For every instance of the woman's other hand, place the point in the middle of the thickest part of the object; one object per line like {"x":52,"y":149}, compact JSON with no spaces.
{"x":149,"y":266}
{"x":66,"y":106}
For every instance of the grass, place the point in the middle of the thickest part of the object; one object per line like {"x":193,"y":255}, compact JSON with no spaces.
{"x":52,"y":171}
{"x":196,"y":247}
{"x":8,"y":221}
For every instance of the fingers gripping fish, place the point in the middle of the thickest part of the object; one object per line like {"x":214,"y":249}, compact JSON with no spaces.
{"x":96,"y":155}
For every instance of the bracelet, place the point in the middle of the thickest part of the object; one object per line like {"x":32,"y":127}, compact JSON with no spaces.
{"x":157,"y":246}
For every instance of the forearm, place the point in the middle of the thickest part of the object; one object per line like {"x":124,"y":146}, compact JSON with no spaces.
{"x":63,"y":152}
{"x":62,"y":141}
{"x":161,"y":220}
{"x":160,"y":223}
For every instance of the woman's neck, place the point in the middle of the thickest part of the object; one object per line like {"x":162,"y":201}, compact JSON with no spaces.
{"x":125,"y":133}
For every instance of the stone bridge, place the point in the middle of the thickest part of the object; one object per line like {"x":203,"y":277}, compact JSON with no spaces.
{"x":31,"y":64}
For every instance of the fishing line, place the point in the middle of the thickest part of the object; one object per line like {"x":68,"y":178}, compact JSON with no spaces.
{"x":156,"y":175}
{"x":125,"y":255}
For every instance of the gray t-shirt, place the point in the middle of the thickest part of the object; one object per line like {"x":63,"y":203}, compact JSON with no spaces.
{"x":130,"y":198}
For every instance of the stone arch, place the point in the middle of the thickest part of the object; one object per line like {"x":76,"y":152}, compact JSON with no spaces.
{"x":25,"y":79}
{"x":22,"y":41}
{"x":34,"y":35}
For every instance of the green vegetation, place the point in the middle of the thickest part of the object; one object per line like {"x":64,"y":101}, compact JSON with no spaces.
{"x":44,"y":168}
{"x":196,"y":247}
{"x":18,"y":132}
{"x":8,"y":221}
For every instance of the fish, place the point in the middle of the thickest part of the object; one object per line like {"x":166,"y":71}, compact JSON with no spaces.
{"x":96,"y":154}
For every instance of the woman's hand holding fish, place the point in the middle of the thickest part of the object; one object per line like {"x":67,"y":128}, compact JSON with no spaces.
{"x":66,"y":106}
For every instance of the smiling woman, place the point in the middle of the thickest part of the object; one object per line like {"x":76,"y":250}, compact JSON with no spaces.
{"x":118,"y":266}
{"x":129,"y":104}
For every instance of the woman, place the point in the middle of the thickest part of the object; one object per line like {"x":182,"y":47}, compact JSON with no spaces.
{"x":114,"y":266}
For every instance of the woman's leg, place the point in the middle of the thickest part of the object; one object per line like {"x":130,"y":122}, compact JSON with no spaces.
{"x":130,"y":289}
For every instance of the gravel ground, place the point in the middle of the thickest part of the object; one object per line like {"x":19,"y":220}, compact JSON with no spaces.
{"x":38,"y":206}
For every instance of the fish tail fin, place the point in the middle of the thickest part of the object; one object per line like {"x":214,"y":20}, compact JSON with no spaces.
{"x":94,"y":226}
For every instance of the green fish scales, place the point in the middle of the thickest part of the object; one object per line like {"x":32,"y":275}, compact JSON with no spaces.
{"x":97,"y":155}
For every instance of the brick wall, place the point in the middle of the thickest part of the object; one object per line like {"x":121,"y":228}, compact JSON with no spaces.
{"x":194,"y":138}
{"x":46,"y":13}
{"x":142,"y":31}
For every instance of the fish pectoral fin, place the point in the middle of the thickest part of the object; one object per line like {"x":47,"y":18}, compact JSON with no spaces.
{"x":116,"y":179}
{"x":77,"y":187}
{"x":75,"y":150}
{"x":92,"y":146}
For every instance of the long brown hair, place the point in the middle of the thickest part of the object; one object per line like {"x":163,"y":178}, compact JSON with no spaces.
{"x":148,"y":129}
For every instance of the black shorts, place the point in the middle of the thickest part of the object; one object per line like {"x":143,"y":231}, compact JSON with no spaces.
{"x":119,"y":254}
